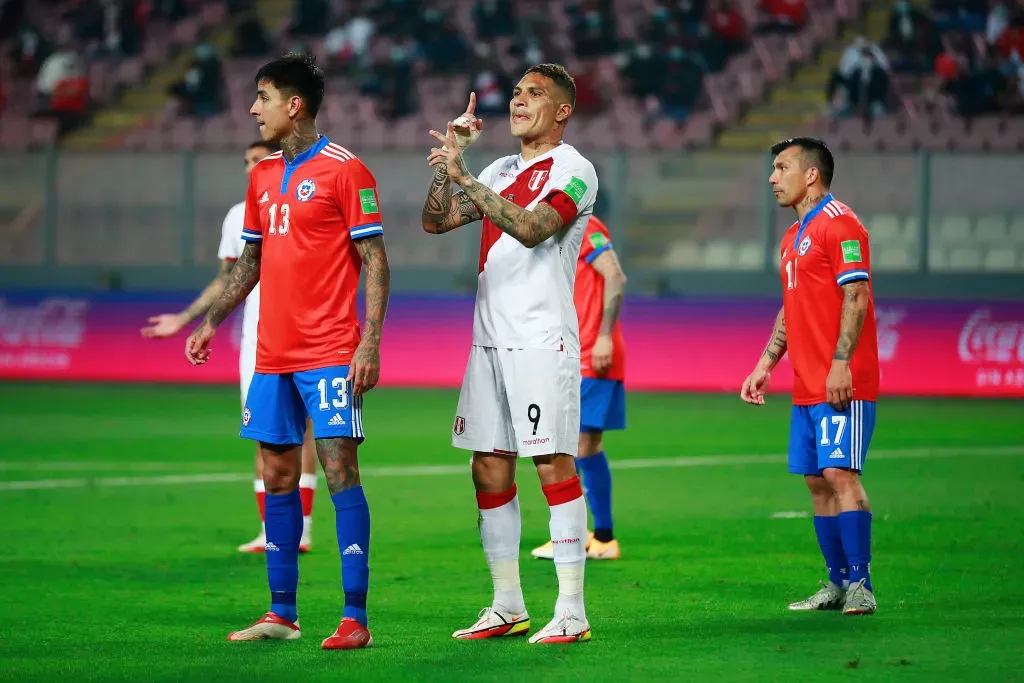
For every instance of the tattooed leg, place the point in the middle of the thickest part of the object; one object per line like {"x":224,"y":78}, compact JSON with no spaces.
{"x":339,"y":459}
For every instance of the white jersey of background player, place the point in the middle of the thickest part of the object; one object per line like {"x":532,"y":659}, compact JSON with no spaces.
{"x":168,"y":324}
{"x":521,"y":391}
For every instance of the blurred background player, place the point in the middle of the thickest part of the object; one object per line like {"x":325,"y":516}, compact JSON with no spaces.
{"x":520,"y":393}
{"x":169,"y":324}
{"x":600,"y":287}
{"x":311,"y":221}
{"x":826,"y":267}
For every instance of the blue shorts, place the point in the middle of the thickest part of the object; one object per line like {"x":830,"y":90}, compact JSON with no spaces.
{"x":820,"y":437}
{"x":602,"y":405}
{"x":276,"y":406}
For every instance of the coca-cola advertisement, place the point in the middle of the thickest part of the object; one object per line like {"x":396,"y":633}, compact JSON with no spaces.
{"x":967,"y":348}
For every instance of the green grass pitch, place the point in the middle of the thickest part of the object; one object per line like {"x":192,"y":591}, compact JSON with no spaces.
{"x":119,"y":561}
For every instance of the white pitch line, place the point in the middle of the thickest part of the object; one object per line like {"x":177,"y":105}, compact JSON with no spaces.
{"x":440,"y":470}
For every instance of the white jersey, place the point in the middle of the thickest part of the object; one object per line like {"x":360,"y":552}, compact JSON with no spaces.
{"x":231,"y":245}
{"x":524,"y":296}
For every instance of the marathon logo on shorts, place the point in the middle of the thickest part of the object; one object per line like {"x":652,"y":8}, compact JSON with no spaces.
{"x":536,"y":442}
{"x":564,"y":541}
{"x":246,"y":416}
{"x":460,"y":425}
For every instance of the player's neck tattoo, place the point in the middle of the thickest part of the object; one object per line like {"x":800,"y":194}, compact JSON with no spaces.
{"x":538,"y":147}
{"x":302,"y":137}
{"x":808,"y":203}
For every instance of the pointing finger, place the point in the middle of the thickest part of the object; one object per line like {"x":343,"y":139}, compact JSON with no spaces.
{"x":472,"y":103}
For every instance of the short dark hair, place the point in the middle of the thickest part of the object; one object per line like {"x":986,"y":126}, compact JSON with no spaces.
{"x":559,"y":76}
{"x":299,"y":74}
{"x":269,"y":146}
{"x":815,"y":151}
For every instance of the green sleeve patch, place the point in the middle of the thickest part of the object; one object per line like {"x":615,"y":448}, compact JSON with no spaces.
{"x":598,"y":240}
{"x":576,"y":189}
{"x":851,"y":251}
{"x":368,"y":200}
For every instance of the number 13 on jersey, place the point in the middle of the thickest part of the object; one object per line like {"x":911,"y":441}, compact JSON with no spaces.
{"x":279,"y":228}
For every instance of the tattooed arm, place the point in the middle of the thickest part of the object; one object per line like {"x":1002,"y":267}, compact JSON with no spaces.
{"x":756,"y":383}
{"x":839,"y":383}
{"x":242,"y":280}
{"x":529,"y":228}
{"x":851,"y":318}
{"x":365,"y":366}
{"x":607,"y":266}
{"x":776,"y":345}
{"x":208,"y":296}
{"x":443,"y":212}
{"x":244,"y":277}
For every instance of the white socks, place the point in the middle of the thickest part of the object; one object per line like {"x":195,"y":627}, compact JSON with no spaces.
{"x":500,"y":532}
{"x":569,"y":537}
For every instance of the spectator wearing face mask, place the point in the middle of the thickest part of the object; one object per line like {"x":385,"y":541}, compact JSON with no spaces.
{"x":910,"y":32}
{"x":490,"y":83}
{"x":494,"y":18}
{"x":398,"y":92}
{"x":442,"y":42}
{"x":842,"y":76}
{"x":203,"y":91}
{"x":726,"y":33}
{"x":682,"y":84}
{"x":644,"y":70}
{"x":593,"y":33}
{"x":960,"y":15}
{"x":867,"y":86}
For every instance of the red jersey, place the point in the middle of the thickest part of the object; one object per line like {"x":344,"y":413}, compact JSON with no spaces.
{"x":589,"y":296}
{"x":829,"y":248}
{"x":308,"y":214}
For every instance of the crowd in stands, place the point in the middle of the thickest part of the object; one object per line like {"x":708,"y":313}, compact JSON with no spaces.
{"x":55,"y":58}
{"x":955,"y":57}
{"x":384,"y":46}
{"x":964,"y":57}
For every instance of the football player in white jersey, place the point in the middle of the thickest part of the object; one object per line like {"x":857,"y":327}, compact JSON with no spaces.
{"x":521,"y":392}
{"x":169,"y":324}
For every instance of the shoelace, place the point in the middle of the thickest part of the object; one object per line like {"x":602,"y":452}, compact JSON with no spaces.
{"x":564,"y":622}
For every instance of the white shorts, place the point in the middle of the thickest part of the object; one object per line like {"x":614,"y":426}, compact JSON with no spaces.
{"x":519,"y":401}
{"x":246,"y":364}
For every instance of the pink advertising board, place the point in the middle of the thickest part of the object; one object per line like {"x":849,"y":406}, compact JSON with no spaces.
{"x":967,"y":348}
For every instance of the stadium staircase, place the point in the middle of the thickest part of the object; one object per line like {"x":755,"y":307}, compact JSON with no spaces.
{"x":143,"y":104}
{"x":795,"y":105}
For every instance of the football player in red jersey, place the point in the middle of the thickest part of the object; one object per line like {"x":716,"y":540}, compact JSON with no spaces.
{"x":827,"y":325}
{"x":598,"y":294}
{"x":312,"y":221}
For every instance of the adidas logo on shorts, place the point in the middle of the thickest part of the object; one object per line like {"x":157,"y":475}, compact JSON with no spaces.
{"x":353,"y":549}
{"x":336,"y":421}
{"x":836,"y":454}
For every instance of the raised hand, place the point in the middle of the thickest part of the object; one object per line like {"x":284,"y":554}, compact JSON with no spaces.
{"x":467,"y":126}
{"x":449,"y":154}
